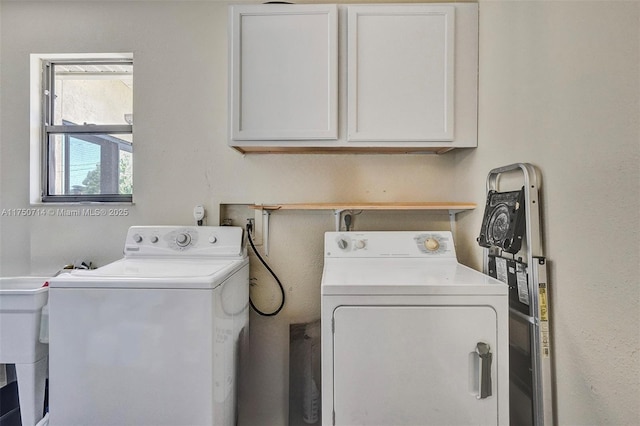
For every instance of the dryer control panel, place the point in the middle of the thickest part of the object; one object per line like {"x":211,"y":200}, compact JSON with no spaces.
{"x":385,"y":244}
{"x":204,"y":241}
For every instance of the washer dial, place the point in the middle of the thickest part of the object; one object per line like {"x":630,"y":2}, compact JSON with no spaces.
{"x":183,"y":239}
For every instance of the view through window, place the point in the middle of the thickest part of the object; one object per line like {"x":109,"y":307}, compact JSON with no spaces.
{"x":88,"y":130}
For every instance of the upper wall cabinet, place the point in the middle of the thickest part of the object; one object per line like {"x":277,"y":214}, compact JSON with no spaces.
{"x":387,"y":78}
{"x":284,"y":72}
{"x":400,"y":73}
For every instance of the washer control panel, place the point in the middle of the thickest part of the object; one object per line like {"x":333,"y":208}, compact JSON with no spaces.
{"x":206,"y":241}
{"x":390,"y":244}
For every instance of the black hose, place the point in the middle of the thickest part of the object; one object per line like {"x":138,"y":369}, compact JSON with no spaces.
{"x":264,"y":314}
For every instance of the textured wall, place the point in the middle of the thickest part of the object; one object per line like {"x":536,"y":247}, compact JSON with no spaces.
{"x":560,"y":88}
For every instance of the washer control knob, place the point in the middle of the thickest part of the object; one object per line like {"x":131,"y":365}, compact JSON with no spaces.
{"x":360,"y":244}
{"x":183,"y":239}
{"x":431,"y":244}
{"x":212,"y":239}
{"x":137,"y":238}
{"x":154,"y":239}
{"x":343,"y":244}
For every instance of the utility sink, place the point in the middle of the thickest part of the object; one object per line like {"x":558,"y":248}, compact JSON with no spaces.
{"x":21,"y":303}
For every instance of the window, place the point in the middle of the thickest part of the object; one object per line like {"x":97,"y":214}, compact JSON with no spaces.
{"x":86,"y":129}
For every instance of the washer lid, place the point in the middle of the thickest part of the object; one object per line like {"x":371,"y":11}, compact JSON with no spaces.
{"x":406,"y":277}
{"x":176,"y":273}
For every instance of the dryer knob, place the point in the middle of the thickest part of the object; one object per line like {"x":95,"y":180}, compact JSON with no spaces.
{"x":183,"y":239}
{"x":154,"y":239}
{"x":343,"y":244}
{"x":137,"y":238}
{"x":360,"y":244}
{"x":431,"y":244}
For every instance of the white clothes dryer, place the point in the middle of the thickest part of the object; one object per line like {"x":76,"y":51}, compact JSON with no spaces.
{"x":409,"y":335}
{"x":154,"y":338}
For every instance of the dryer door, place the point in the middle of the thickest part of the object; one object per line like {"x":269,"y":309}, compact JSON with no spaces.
{"x":411,"y":365}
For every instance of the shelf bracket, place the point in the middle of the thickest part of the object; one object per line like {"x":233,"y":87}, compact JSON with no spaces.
{"x":452,"y":221}
{"x":265,"y":231}
{"x":337,"y":213}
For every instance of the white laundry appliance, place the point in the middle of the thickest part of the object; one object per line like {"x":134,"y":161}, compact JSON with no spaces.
{"x":409,"y":335}
{"x":154,"y":338}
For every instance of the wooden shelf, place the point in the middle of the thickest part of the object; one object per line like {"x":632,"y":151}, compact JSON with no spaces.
{"x":264,"y":210}
{"x":446,"y":205}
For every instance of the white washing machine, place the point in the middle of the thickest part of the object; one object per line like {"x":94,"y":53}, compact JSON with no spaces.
{"x":154,"y":338}
{"x":409,"y":335}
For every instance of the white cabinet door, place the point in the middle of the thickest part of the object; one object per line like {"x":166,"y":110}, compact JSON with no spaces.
{"x":413,"y":365}
{"x":401,"y":73}
{"x":283,"y":72}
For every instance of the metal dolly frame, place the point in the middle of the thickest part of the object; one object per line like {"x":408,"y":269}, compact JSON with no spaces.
{"x":529,"y":402}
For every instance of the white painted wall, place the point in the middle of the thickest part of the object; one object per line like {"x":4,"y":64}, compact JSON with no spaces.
{"x":559,"y":87}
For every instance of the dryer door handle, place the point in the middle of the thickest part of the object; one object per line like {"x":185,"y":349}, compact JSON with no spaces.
{"x":484,"y":371}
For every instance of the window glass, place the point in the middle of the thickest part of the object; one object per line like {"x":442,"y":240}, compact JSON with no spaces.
{"x":90,"y":165}
{"x":84,"y":166}
{"x":93,"y":93}
{"x":88,"y":130}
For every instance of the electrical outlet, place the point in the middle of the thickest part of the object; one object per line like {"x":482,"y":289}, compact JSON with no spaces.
{"x":198,"y":212}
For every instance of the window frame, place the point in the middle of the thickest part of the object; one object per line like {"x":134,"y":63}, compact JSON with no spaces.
{"x":81,"y":131}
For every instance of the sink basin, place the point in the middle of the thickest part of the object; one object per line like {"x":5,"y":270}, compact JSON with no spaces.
{"x":21,"y":302}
